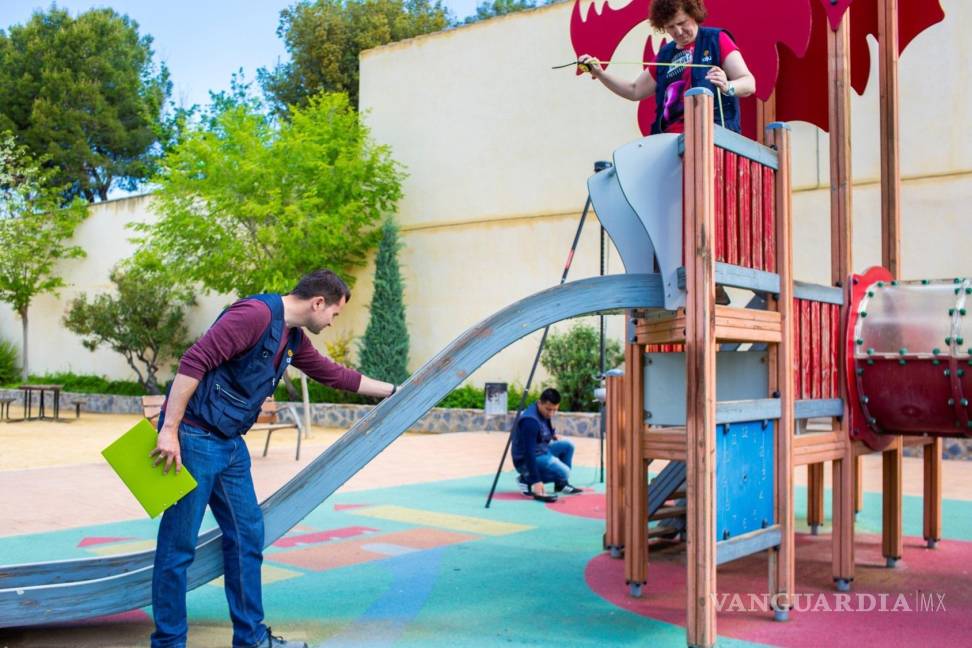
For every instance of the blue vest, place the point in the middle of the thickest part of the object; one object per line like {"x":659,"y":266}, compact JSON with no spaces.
{"x":543,"y":439}
{"x":229,"y":398}
{"x":707,"y":40}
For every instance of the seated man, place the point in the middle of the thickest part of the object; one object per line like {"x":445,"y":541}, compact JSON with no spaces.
{"x":537,"y":454}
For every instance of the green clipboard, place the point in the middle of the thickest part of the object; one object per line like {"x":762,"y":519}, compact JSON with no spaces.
{"x":130,"y":456}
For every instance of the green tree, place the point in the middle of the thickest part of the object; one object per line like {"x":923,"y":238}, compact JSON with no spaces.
{"x":84,"y":92}
{"x":324,"y":38}
{"x":248,"y":205}
{"x":144,"y":320}
{"x":384,"y":348}
{"x":493,"y":8}
{"x":34,"y":230}
{"x":573,"y":360}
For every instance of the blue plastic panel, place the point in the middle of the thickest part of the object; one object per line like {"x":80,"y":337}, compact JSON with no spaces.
{"x":744,"y":477}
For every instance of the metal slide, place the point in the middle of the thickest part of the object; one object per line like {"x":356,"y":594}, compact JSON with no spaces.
{"x":69,"y":590}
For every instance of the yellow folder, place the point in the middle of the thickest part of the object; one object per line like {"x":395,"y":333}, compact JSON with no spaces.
{"x":130,"y":456}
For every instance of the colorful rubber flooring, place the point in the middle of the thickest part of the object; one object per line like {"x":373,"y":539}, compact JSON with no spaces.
{"x":427,"y":565}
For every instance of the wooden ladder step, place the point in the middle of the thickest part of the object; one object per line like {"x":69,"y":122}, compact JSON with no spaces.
{"x":661,"y":532}
{"x":666,"y":512}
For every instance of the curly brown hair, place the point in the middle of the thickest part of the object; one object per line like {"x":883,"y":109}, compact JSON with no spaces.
{"x":662,"y":11}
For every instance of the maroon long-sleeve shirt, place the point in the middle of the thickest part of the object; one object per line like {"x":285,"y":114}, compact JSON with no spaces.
{"x":239,"y":329}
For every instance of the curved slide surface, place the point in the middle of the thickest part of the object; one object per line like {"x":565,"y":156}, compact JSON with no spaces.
{"x":69,"y":590}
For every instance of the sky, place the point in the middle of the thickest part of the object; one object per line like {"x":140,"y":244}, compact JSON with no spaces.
{"x":203,"y":42}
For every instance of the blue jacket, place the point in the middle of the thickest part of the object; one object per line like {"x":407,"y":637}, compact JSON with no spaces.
{"x":531,"y":439}
{"x":706,"y":53}
{"x":229,"y":398}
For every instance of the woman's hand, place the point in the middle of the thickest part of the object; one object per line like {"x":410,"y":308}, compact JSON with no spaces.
{"x":717,"y":77}
{"x":588,"y":63}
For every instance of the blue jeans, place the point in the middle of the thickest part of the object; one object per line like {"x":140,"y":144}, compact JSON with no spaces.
{"x":221,"y":468}
{"x":554,"y":465}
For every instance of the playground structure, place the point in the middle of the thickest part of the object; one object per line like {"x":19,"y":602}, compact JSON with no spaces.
{"x":883,"y":360}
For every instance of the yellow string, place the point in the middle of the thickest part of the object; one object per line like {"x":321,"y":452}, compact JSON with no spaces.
{"x":587,"y":68}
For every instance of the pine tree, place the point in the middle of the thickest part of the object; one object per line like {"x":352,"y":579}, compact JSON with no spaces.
{"x":384,"y":348}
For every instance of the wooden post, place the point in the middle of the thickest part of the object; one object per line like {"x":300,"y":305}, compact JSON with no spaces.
{"x":815,"y":496}
{"x":933,"y":492}
{"x":765,"y":115}
{"x":635,"y":478}
{"x":614,"y":489}
{"x":778,"y":136}
{"x":700,"y":353}
{"x":841,"y":259}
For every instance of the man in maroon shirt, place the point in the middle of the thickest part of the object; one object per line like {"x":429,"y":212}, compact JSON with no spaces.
{"x":216,"y":396}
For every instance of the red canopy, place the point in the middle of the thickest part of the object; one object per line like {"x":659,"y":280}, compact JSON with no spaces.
{"x":784,"y":42}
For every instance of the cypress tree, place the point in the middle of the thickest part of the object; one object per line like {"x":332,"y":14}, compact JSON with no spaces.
{"x":384,"y":348}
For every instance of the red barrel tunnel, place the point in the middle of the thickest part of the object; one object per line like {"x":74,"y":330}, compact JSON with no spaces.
{"x":909,"y":358}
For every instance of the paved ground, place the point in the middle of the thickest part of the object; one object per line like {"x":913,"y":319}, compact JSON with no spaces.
{"x":405,"y":554}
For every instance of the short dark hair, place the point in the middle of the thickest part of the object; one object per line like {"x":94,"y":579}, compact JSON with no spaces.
{"x":662,"y":11}
{"x":322,"y":283}
{"x":550,"y":395}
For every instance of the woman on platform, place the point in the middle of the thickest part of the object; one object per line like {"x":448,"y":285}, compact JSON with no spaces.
{"x":689,"y":43}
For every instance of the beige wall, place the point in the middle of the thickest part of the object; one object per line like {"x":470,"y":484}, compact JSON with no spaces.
{"x":499,"y":146}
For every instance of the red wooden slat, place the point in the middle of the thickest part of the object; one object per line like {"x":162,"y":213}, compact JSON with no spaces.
{"x":756,"y":202}
{"x":797,"y":359}
{"x":825,"y":366}
{"x":745,"y":216}
{"x":805,"y":350}
{"x":816,"y":351}
{"x":769,"y":219}
{"x":732,"y":208}
{"x":720,"y":199}
{"x":835,"y":342}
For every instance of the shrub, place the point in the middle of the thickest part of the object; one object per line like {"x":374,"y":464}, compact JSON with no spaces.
{"x":384,"y":347}
{"x":9,"y":369}
{"x":573,"y":360}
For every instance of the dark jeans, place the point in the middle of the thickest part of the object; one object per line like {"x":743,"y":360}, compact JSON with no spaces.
{"x":553,"y":465}
{"x":221,"y":468}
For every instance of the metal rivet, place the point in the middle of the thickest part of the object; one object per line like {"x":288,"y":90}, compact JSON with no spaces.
{"x":860,"y":371}
{"x":951,"y":311}
{"x":902,"y":362}
{"x":870,"y":293}
{"x":863,"y":313}
{"x":947,"y":372}
{"x":924,"y":282}
{"x":870,"y":351}
{"x":880,"y":284}
{"x":859,"y":341}
{"x":873,"y":421}
{"x":951,"y":401}
{"x":960,"y":341}
{"x":903,"y":350}
{"x":956,"y":280}
{"x":936,"y":362}
{"x":871,"y":362}
{"x":936,"y":351}
{"x":968,"y":291}
{"x":965,"y":402}
{"x":961,"y":372}
{"x":948,"y":340}
{"x":962,"y":312}
{"x":865,"y":399}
